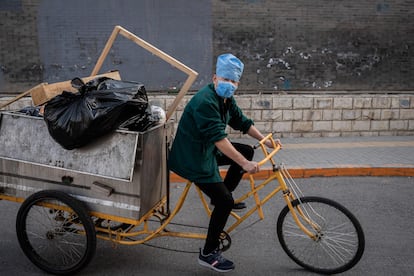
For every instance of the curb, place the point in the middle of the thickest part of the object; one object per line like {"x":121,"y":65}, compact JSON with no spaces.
{"x":296,"y":172}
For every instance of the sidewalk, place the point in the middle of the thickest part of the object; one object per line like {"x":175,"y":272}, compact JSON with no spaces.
{"x":341,"y":156}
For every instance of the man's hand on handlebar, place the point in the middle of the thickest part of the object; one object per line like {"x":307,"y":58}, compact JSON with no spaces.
{"x":254,"y":167}
{"x":269,"y":143}
{"x":251,"y":167}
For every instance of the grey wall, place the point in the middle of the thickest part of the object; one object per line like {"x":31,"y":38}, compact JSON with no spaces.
{"x":286,"y":45}
{"x":63,"y":39}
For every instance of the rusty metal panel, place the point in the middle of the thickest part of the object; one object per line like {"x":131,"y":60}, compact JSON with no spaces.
{"x":26,"y":138}
{"x":122,"y":174}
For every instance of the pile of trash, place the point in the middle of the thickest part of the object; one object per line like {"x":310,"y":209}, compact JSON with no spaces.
{"x":99,"y":107}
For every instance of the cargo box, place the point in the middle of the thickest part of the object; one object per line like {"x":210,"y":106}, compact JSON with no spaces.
{"x":122,"y":174}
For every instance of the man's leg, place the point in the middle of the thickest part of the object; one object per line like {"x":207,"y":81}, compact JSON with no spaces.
{"x":224,"y":202}
{"x":235,"y":172}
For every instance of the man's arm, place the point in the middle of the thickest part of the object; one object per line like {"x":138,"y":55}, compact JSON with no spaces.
{"x":255,"y":133}
{"x":227,"y":149}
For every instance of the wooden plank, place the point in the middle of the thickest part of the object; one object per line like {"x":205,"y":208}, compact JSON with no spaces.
{"x":105,"y":51}
{"x":26,"y":93}
{"x":44,"y":91}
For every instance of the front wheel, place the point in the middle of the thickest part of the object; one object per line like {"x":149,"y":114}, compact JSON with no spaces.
{"x":55,"y":232}
{"x":338,"y":242}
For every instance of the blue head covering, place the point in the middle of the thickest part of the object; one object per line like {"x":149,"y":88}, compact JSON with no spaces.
{"x":229,"y":67}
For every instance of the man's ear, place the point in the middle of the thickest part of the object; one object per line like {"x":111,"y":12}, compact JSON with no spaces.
{"x":215,"y":80}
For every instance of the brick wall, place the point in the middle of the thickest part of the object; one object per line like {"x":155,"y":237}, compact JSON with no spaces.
{"x":20,"y":64}
{"x":326,"y":115}
{"x":318,"y":45}
{"x":286,"y":45}
{"x":314,"y":115}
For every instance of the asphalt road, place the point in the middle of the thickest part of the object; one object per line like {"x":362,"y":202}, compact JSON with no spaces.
{"x":383,"y":205}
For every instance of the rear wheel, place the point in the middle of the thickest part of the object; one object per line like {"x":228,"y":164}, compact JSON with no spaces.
{"x":339,"y":240}
{"x":55,"y":232}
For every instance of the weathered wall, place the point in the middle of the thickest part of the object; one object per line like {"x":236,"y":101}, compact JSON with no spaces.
{"x":320,"y":45}
{"x":56,"y":40}
{"x":20,"y":64}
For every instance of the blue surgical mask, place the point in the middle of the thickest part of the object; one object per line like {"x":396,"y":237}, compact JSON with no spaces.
{"x":225,"y":89}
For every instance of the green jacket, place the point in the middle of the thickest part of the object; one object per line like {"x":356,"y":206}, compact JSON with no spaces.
{"x":203,"y":122}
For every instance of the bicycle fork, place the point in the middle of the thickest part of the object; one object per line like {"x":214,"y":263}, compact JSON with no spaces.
{"x":296,"y":212}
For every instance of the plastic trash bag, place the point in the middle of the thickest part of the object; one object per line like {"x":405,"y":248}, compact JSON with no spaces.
{"x":158,"y":114}
{"x":31,"y":111}
{"x":154,"y":115}
{"x":100,"y":106}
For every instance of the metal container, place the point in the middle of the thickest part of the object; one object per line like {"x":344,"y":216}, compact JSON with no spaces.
{"x":123,"y":174}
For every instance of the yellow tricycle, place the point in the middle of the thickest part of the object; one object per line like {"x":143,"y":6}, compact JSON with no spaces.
{"x":71,"y":200}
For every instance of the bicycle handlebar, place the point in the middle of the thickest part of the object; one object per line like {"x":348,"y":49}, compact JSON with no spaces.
{"x":268,"y":156}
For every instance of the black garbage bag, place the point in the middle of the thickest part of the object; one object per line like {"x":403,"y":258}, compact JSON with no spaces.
{"x":100,"y":106}
{"x":153,"y":116}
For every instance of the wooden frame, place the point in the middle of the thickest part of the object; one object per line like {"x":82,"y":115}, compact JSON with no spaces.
{"x":192,"y":75}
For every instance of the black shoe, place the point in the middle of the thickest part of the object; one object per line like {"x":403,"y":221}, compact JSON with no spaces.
{"x":215,"y":261}
{"x":237,"y":206}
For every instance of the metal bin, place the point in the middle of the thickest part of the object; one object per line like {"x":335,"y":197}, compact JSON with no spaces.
{"x":123,"y":174}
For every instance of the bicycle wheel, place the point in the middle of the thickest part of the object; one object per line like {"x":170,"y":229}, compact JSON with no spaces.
{"x":55,"y":232}
{"x":339,"y":242}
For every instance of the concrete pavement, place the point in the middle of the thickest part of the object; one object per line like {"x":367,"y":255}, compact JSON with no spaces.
{"x":384,"y":211}
{"x":341,"y":156}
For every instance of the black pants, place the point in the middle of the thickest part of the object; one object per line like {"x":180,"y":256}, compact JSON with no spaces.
{"x":221,"y":197}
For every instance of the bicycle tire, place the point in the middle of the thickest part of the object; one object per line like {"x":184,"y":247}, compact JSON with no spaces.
{"x":333,"y":251}
{"x":57,"y":240}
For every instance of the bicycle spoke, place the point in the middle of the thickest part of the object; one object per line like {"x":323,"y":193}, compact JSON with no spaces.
{"x":295,"y":234}
{"x":339,"y":240}
{"x":334,"y":251}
